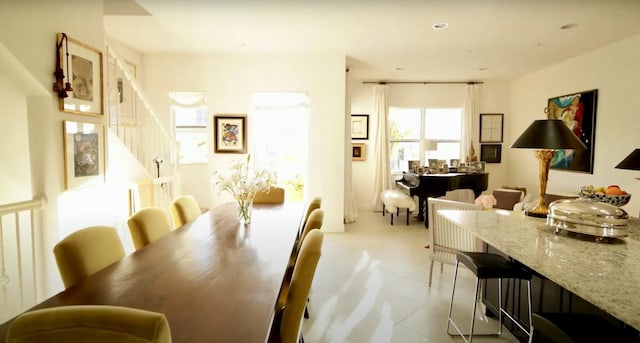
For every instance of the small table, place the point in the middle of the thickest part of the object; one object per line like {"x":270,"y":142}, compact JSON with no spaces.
{"x":213,"y":278}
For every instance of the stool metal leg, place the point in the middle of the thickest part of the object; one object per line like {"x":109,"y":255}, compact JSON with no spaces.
{"x":501,"y":311}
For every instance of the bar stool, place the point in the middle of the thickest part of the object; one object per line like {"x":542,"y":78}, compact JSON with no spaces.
{"x":489,"y":266}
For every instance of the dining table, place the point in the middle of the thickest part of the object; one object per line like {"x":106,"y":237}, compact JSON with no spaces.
{"x":213,"y":278}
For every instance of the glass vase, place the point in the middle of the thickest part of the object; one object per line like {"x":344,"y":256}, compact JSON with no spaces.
{"x":244,"y":210}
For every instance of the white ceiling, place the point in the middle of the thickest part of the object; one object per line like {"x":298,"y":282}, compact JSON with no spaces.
{"x":506,"y":37}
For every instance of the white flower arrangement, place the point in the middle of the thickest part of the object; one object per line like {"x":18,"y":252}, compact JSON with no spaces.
{"x":244,"y":181}
{"x":487,"y":201}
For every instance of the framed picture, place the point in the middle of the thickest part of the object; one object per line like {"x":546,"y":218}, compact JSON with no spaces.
{"x":358,"y":151}
{"x":122,"y":109}
{"x":578,"y":111}
{"x":84,"y":71}
{"x":413,"y":166}
{"x":454,"y":163}
{"x":491,"y":153}
{"x":491,"y":127}
{"x":359,"y":126}
{"x":478,"y":166}
{"x":84,"y":154}
{"x":230,"y":134}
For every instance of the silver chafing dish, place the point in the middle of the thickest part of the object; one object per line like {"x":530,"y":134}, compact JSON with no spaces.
{"x":588,"y":217}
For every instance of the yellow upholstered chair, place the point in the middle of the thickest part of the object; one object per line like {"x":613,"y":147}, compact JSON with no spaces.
{"x":184,"y":209}
{"x":313,"y":224}
{"x":312,"y":205}
{"x":89,"y":323}
{"x":87,"y":251}
{"x":290,"y":317}
{"x":275,"y":195}
{"x":148,"y":225}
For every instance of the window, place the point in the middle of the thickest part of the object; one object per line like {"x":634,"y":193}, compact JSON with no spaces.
{"x":189,"y":112}
{"x":280,"y":135}
{"x":409,"y":126}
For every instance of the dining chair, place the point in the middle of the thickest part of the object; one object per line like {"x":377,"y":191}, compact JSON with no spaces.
{"x":148,"y":225}
{"x":290,"y":318}
{"x":315,"y":203}
{"x":184,"y":209}
{"x":314,"y":223}
{"x":445,"y":238}
{"x":87,"y":251}
{"x":275,"y":195}
{"x":89,"y":323}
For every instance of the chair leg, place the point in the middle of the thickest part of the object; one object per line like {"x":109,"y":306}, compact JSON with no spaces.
{"x":383,"y":209}
{"x":306,"y":312}
{"x":407,"y":216}
{"x":391,"y":218}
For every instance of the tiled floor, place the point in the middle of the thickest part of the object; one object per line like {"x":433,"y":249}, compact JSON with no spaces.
{"x":371,"y":286}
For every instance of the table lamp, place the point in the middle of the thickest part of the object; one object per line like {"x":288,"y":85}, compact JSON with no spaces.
{"x":631,"y":162}
{"x":546,"y":136}
{"x":428,"y":145}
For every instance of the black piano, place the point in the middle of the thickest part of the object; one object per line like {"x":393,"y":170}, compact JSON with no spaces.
{"x":435,"y":185}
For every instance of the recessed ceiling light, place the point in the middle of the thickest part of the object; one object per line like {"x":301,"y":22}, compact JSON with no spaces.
{"x":399,"y":68}
{"x":483,"y":68}
{"x":568,"y":26}
{"x":440,"y":26}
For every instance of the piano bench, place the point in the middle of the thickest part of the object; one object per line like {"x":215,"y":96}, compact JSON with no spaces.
{"x":393,"y":200}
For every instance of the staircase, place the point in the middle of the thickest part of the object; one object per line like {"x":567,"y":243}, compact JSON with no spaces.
{"x":131,"y":119}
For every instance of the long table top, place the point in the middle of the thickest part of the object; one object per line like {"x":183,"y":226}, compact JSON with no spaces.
{"x":605,"y":274}
{"x":214,"y":279}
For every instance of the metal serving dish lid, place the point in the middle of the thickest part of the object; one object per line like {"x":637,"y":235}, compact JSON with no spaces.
{"x":588,"y":217}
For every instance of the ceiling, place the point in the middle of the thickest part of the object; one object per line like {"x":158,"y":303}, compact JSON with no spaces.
{"x":383,"y":39}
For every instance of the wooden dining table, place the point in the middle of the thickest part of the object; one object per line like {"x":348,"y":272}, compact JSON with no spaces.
{"x":213,"y":278}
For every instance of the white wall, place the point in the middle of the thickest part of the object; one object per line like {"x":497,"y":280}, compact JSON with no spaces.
{"x":494,"y":98}
{"x":613,"y":71}
{"x":229,"y":82}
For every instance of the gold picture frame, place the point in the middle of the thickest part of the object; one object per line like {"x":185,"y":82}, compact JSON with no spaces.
{"x":83,"y":70}
{"x":358,"y":151}
{"x":230,"y":133}
{"x":84,"y":154}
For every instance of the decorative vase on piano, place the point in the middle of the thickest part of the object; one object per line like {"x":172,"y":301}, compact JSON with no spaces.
{"x":243,"y":182}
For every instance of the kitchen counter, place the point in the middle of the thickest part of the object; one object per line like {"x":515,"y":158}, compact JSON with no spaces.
{"x":606,"y":274}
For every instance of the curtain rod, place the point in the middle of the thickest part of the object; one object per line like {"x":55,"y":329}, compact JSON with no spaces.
{"x":425,"y":82}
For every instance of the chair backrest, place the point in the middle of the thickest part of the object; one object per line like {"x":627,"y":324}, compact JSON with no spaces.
{"x":89,"y":323}
{"x":184,"y":209}
{"x":148,"y":225}
{"x":303,"y":273}
{"x":461,"y":195}
{"x":446,"y":238}
{"x":506,"y":198}
{"x":316,"y":218}
{"x":87,"y":251}
{"x":275,"y":195}
{"x":312,"y":205}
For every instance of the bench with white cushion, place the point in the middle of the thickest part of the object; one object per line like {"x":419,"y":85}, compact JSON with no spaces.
{"x":393,"y":200}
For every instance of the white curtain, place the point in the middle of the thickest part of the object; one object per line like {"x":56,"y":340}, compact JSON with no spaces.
{"x":469,"y":111}
{"x":382,"y":179}
{"x":350,"y":206}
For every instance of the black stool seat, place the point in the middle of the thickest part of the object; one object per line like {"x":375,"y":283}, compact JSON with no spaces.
{"x":491,"y":266}
{"x":576,"y":328}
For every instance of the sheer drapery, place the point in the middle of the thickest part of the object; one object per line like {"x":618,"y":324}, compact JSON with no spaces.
{"x":469,"y":111}
{"x":381,"y":180}
{"x":350,"y":206}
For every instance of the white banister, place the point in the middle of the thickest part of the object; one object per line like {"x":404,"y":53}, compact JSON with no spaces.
{"x":18,"y":269}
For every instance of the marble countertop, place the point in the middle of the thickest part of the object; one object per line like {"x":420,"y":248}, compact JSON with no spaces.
{"x":605,"y":274}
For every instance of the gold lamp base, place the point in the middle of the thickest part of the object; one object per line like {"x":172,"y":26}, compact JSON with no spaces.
{"x":544,"y":161}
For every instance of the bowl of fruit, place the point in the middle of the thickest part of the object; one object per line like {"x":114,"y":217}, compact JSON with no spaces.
{"x":611,"y":195}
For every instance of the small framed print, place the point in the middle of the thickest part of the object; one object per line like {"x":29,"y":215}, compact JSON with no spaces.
{"x":491,"y":127}
{"x":358,"y":151}
{"x":230,"y":134}
{"x":359,"y":126}
{"x":454,"y":163}
{"x":491,"y":153}
{"x":413,"y":166}
{"x":84,"y":154}
{"x":84,"y":72}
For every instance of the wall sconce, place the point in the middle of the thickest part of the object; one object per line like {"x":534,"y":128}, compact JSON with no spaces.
{"x":60,"y":86}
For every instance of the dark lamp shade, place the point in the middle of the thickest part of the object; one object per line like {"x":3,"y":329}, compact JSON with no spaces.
{"x":548,"y":134}
{"x":631,"y":162}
